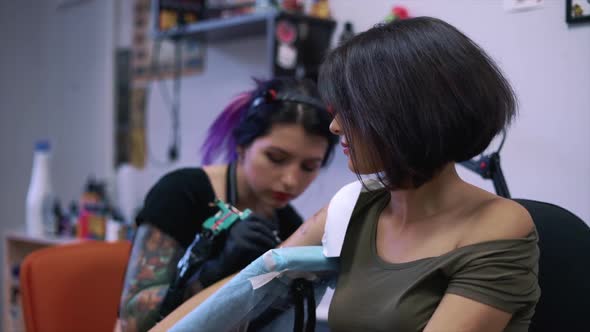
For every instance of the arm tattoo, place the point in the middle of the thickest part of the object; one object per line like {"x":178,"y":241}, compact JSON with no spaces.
{"x":150,"y":270}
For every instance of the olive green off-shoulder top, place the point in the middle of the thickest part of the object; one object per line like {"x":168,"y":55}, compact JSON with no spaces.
{"x":374,"y":295}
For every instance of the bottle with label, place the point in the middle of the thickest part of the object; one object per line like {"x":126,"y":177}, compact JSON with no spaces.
{"x":39,"y":205}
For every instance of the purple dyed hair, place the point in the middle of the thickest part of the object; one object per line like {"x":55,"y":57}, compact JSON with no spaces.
{"x":235,"y":127}
{"x":219,"y":135}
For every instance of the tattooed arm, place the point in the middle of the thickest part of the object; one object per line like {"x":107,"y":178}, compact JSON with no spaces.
{"x":151,"y":269}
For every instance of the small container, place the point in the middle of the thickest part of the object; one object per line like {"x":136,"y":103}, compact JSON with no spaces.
{"x":39,"y":204}
{"x":114,"y":231}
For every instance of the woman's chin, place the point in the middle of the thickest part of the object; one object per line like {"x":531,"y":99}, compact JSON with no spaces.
{"x":278,"y":204}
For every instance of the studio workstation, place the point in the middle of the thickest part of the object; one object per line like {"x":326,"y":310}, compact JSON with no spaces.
{"x":295,"y":165}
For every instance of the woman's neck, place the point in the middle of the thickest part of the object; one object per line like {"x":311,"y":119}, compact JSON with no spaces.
{"x":436,"y":195}
{"x":247,"y":199}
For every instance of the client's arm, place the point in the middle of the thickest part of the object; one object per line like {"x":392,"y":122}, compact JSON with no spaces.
{"x":309,"y":233}
{"x":189,"y":305}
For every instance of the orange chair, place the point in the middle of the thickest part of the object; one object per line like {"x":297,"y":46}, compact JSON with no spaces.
{"x":73,"y":287}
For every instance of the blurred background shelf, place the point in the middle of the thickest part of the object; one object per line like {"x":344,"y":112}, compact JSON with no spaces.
{"x":223,"y":29}
{"x":295,"y":44}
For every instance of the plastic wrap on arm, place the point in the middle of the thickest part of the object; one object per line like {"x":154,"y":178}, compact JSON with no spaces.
{"x":258,"y":286}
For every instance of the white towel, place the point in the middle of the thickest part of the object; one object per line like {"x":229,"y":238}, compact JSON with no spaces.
{"x":339,"y":213}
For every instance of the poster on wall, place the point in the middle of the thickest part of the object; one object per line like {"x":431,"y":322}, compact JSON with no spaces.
{"x":577,"y":11}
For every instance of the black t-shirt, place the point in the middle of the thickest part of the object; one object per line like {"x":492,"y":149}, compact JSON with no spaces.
{"x":178,"y":204}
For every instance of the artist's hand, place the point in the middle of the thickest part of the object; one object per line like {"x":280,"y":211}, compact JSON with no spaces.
{"x":246,"y":241}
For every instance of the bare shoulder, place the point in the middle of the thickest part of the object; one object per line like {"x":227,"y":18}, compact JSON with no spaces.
{"x":497,"y":218}
{"x":215,"y":171}
{"x":217,"y":174}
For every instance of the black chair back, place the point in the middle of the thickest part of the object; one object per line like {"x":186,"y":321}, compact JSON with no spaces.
{"x":564,"y":269}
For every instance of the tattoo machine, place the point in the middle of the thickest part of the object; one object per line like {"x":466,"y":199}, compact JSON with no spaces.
{"x":198,"y":252}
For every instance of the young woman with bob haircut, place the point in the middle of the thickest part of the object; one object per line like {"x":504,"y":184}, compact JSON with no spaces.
{"x":424,"y":250}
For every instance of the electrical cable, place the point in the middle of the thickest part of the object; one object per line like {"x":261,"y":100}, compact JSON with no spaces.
{"x":155,"y":71}
{"x":172,"y":103}
{"x":502,"y":142}
{"x":173,"y":152}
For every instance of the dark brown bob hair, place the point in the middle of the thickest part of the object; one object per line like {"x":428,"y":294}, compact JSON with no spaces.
{"x":417,"y":94}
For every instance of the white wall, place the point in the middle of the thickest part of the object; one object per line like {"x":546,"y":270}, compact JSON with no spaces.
{"x":55,"y":82}
{"x":547,"y":153}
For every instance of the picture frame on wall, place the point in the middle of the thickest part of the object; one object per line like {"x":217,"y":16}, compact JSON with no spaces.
{"x":577,"y":11}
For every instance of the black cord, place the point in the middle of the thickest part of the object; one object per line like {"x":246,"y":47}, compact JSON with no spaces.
{"x":174,"y":104}
{"x":175,"y":111}
{"x":302,"y":290}
{"x":311,"y":307}
{"x":296,"y":290}
{"x":155,"y":71}
{"x":502,"y":142}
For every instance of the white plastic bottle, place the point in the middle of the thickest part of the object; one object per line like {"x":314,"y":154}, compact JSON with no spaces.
{"x":39,"y":218}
